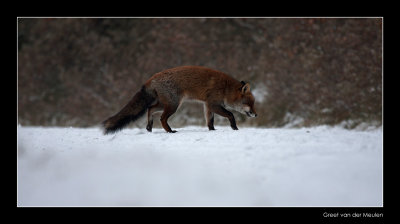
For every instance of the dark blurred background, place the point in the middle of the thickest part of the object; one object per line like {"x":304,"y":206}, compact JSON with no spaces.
{"x":303,"y":71}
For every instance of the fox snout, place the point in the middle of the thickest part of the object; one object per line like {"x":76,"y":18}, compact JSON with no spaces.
{"x":251,"y":114}
{"x":249,"y":111}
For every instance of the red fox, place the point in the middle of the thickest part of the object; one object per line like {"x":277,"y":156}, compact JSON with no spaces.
{"x":166,"y":90}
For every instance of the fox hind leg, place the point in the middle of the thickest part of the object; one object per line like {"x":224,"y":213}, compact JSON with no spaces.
{"x":168,"y":111}
{"x":158,"y":107}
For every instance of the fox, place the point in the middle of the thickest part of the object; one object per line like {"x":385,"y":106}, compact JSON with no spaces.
{"x":166,"y":90}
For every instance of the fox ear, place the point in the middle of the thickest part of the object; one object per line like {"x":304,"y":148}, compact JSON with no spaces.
{"x":246,"y":88}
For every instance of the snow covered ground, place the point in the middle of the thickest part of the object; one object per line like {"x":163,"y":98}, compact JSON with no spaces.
{"x":319,"y":166}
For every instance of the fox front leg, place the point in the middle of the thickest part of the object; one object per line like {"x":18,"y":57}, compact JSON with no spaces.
{"x":209,"y":118}
{"x":220,"y":110}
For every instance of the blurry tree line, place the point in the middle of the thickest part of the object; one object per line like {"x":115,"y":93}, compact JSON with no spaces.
{"x":307,"y":71}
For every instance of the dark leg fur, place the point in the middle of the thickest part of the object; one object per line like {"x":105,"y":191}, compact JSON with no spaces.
{"x":153,"y":109}
{"x":211,"y":124}
{"x":168,"y":111}
{"x":218,"y":109}
{"x":209,"y":118}
{"x":149,"y":126}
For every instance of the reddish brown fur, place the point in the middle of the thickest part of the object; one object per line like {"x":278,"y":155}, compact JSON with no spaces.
{"x":199,"y":82}
{"x":217,"y":90}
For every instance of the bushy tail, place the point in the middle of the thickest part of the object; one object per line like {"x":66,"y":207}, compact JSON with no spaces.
{"x":136,"y":107}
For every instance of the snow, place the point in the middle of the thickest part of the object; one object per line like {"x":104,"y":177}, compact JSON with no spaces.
{"x":260,"y":93}
{"x":319,"y":166}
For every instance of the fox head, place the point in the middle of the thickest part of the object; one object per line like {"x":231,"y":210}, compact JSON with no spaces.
{"x":247,"y":100}
{"x":243,"y":101}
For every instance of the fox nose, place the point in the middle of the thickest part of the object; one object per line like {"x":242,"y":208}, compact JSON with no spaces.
{"x":255,"y":115}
